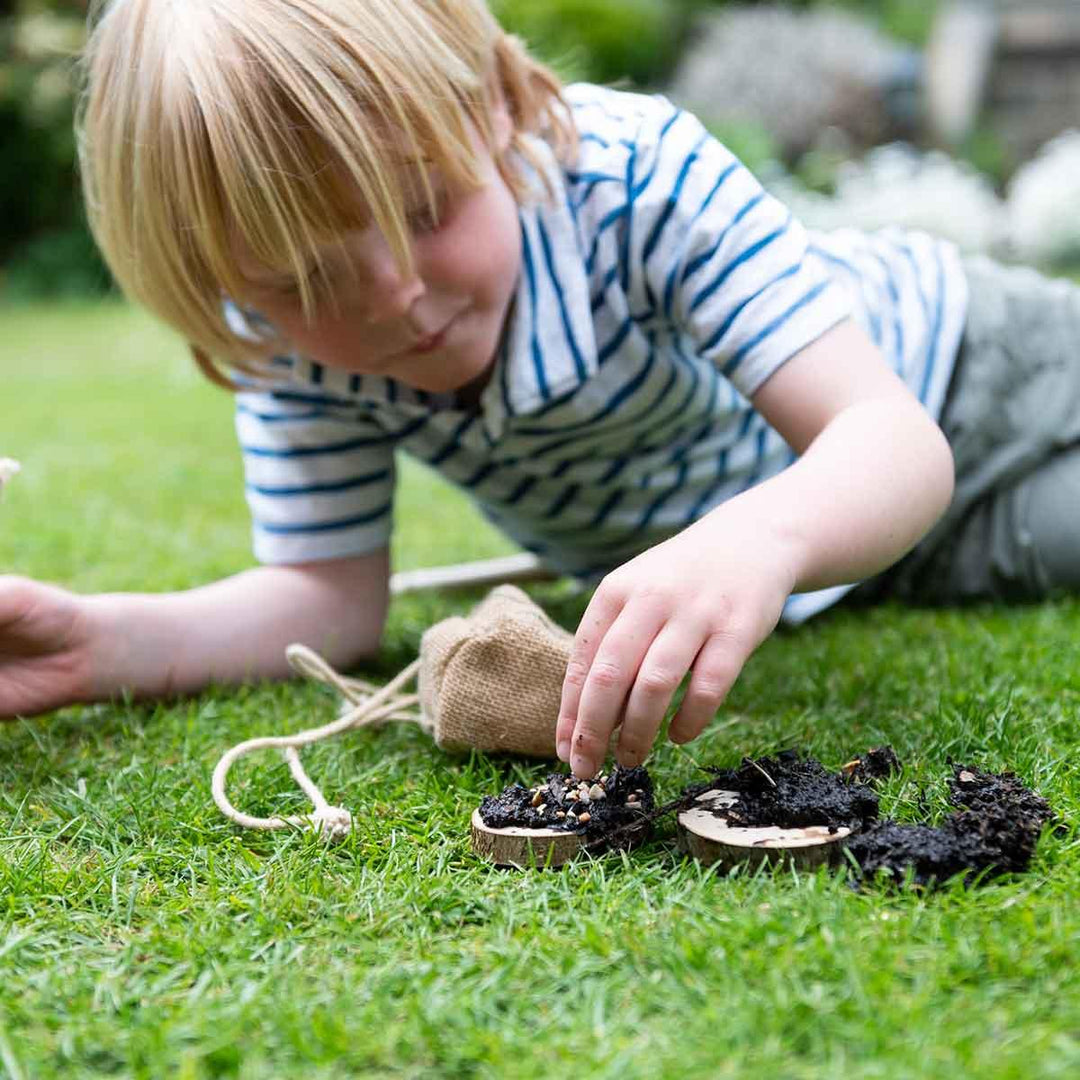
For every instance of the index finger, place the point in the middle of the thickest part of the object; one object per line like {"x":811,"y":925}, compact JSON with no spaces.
{"x":595,"y":623}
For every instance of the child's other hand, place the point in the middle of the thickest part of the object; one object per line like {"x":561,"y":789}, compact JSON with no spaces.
{"x":44,"y":648}
{"x":703,"y":600}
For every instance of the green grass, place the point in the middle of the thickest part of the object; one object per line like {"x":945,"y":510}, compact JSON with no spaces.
{"x":143,"y":935}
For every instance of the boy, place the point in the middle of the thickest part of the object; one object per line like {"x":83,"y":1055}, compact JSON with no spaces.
{"x":578,"y":306}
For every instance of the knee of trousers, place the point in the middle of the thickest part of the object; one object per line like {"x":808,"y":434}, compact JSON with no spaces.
{"x":1019,"y":544}
{"x":1047,"y":520}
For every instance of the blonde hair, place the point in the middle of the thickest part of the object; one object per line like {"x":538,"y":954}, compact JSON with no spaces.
{"x":204,"y":122}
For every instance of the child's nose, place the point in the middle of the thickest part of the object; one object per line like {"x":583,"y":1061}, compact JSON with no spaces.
{"x":393,"y":291}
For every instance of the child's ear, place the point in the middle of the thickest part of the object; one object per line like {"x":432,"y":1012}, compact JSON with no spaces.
{"x":502,"y":123}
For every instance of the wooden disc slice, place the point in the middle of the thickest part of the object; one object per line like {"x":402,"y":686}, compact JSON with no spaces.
{"x":523,"y":848}
{"x":709,"y":838}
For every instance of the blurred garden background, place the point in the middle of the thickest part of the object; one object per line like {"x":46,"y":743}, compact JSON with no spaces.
{"x":951,"y":115}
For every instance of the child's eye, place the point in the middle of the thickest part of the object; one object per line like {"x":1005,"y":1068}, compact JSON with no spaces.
{"x":316,"y":280}
{"x":427,"y":218}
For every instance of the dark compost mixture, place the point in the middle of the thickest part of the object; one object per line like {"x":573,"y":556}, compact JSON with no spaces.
{"x":792,"y":792}
{"x":993,"y":831}
{"x":609,"y":806}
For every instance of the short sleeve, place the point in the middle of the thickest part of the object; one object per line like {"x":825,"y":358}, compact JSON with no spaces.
{"x":719,"y":256}
{"x":319,"y":478}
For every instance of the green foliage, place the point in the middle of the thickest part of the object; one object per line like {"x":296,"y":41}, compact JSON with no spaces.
{"x":905,"y":20}
{"x":985,"y":149}
{"x":45,"y":249}
{"x":60,"y":263}
{"x":601,"y":40}
{"x":752,"y":143}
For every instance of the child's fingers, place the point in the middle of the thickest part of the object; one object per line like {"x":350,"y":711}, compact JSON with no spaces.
{"x":564,"y":731}
{"x":607,"y":685}
{"x":667,"y":661}
{"x":599,"y":615}
{"x":714,"y":673}
{"x":15,"y":598}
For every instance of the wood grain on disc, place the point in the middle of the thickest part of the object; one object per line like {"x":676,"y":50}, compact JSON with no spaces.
{"x":523,"y":848}
{"x":709,"y":838}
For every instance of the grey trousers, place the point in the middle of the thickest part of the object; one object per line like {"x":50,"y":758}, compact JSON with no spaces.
{"x":1012,"y":417}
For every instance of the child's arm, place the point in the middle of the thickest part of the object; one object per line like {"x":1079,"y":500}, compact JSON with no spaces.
{"x":874,"y":475}
{"x":57,"y":648}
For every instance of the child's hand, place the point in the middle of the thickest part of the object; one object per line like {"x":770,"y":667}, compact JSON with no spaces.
{"x":704,"y":599}
{"x":44,"y":648}
{"x":874,"y":473}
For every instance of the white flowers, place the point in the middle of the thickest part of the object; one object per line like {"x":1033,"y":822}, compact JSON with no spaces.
{"x":1037,"y":222}
{"x":897,"y":185}
{"x":1044,"y":203}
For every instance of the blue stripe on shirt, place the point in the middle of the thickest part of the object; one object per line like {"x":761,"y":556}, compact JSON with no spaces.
{"x":857,"y":276}
{"x":935,"y":329}
{"x":334,"y":448}
{"x":319,"y":489}
{"x":284,"y":418}
{"x":537,"y":355}
{"x":775,"y":325}
{"x":744,"y":256}
{"x":560,"y":296}
{"x":672,"y":201}
{"x":294,"y":528}
{"x":669,"y":285}
{"x":699,"y":261}
{"x":710,"y":343}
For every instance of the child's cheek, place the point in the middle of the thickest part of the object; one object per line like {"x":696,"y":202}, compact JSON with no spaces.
{"x":454,"y":261}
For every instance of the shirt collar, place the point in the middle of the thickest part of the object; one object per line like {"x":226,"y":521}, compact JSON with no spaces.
{"x":549,"y":344}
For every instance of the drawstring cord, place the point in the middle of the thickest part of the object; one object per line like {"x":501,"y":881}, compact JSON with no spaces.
{"x":370,"y":706}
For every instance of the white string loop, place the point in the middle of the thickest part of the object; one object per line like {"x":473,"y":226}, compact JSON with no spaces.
{"x":370,"y":706}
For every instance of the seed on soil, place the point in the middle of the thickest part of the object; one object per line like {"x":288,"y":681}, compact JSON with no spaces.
{"x":966,"y":777}
{"x":515,"y":826}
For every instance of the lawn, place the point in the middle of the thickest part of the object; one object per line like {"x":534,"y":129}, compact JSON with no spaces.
{"x":141,"y":934}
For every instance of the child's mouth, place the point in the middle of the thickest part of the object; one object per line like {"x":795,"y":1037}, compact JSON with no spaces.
{"x":432,"y":342}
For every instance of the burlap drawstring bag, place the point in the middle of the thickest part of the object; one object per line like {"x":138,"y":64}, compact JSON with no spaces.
{"x":489,"y":681}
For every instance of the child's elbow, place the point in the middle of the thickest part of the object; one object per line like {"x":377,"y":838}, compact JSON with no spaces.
{"x":940,"y":469}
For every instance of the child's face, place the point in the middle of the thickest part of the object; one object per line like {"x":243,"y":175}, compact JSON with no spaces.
{"x":437,"y":329}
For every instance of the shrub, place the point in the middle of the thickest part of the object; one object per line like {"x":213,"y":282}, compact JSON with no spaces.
{"x":45,"y":249}
{"x":602,"y":41}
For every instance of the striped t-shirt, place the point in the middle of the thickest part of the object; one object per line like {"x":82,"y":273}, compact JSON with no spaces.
{"x":660,"y":288}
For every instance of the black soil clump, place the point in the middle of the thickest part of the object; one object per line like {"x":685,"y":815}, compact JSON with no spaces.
{"x":790,"y":791}
{"x":994,"y":829}
{"x":994,"y":832}
{"x":609,"y":806}
{"x":874,"y":765}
